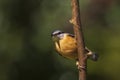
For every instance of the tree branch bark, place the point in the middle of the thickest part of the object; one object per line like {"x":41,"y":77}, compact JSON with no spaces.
{"x":82,"y":57}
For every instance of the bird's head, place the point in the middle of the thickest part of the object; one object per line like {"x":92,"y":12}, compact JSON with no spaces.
{"x":57,"y":35}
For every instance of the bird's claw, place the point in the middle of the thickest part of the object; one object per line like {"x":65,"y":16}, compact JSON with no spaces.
{"x":79,"y":66}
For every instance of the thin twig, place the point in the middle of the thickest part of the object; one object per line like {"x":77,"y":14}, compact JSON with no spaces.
{"x":79,"y":37}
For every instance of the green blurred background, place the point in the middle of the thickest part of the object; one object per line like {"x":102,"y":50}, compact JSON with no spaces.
{"x":26,"y":48}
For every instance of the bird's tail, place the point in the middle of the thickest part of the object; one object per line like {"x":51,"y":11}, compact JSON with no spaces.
{"x":92,"y":55}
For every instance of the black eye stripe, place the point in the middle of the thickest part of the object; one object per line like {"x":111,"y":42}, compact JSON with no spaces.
{"x":57,"y":32}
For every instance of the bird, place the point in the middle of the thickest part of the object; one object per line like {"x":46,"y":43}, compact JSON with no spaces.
{"x":66,"y":46}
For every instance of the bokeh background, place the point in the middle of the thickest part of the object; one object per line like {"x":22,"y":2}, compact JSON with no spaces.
{"x":27,"y":51}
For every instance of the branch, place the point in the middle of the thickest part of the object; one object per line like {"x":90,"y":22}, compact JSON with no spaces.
{"x":79,"y":37}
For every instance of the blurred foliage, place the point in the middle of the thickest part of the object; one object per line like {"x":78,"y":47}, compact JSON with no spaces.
{"x":26,"y":48}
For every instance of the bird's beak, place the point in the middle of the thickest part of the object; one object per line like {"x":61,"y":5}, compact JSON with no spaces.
{"x":55,"y":38}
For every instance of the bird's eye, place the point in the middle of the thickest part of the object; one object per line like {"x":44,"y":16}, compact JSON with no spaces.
{"x":57,"y":32}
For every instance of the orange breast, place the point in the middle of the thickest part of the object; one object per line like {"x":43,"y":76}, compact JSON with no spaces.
{"x":67,"y":47}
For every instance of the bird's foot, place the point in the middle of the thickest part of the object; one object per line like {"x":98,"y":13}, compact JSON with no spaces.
{"x":79,"y":66}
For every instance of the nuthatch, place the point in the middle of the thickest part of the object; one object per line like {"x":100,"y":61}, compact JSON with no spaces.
{"x":66,"y":46}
